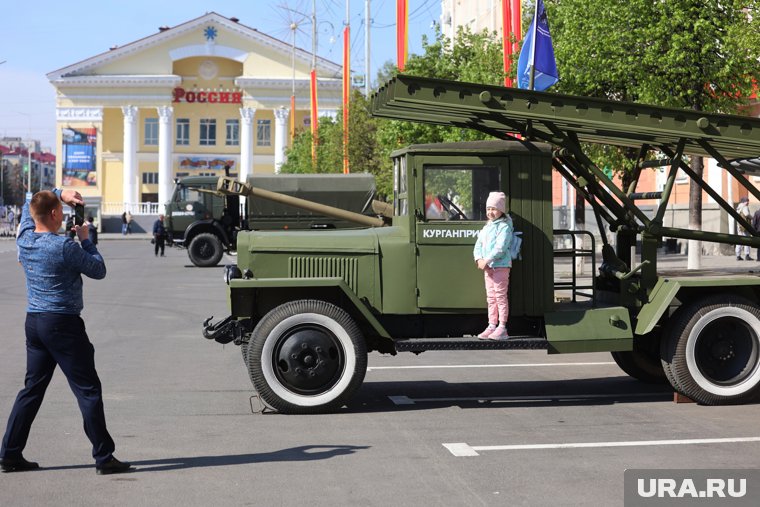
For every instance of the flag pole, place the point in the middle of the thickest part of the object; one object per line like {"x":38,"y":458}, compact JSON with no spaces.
{"x":533,"y":27}
{"x":346,"y":85}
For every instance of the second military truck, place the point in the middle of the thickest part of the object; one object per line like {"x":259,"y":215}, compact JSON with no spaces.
{"x":207,"y":223}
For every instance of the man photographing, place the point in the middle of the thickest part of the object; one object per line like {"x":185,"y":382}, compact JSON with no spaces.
{"x":55,"y":333}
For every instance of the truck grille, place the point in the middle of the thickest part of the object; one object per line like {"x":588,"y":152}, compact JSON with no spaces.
{"x":327,"y":267}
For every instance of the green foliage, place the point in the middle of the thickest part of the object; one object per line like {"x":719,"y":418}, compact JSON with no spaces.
{"x":681,"y":53}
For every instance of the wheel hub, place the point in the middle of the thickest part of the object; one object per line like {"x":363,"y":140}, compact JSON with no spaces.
{"x":726,"y":350}
{"x":309,"y":359}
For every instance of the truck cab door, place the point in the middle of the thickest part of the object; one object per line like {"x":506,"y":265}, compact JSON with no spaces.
{"x":450,"y":212}
{"x":187,"y":206}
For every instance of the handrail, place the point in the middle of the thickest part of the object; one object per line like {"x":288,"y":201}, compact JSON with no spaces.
{"x":574,"y":253}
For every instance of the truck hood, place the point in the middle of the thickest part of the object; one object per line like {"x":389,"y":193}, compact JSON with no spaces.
{"x":310,"y":242}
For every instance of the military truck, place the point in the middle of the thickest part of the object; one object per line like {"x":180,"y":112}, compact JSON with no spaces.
{"x":306,"y":308}
{"x":207,"y":224}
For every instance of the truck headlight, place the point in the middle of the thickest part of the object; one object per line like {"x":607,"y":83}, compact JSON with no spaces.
{"x":231,"y":271}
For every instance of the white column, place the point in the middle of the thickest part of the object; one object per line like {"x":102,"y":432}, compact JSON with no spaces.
{"x":165,"y":114}
{"x":280,"y":137}
{"x":246,"y":142}
{"x":130,"y":156}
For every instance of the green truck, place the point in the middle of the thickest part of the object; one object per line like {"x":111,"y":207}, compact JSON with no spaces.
{"x":207,"y":224}
{"x":306,"y":307}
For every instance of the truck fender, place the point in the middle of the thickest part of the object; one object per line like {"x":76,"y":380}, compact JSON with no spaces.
{"x":200,"y":226}
{"x":244,"y":295}
{"x":668,"y":292}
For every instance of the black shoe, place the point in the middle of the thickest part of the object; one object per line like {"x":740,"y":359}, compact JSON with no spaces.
{"x":112,"y":466}
{"x":17,"y":465}
{"x":748,"y":258}
{"x":739,"y":258}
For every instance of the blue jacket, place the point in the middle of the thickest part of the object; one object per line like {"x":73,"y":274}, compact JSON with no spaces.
{"x":494,"y":241}
{"x":54,"y":266}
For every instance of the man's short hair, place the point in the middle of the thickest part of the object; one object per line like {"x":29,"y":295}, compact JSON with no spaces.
{"x":42,"y":203}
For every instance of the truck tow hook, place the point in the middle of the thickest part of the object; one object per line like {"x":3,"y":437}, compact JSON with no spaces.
{"x":224,"y":331}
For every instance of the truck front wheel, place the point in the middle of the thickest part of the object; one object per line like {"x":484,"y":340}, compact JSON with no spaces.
{"x":306,"y":356}
{"x":712,"y":350}
{"x":205,"y":250}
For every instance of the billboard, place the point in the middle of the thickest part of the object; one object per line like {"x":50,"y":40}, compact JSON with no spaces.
{"x":79,"y":150}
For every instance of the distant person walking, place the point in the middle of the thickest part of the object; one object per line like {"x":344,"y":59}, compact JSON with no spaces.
{"x":55,"y":332}
{"x":129,"y":222}
{"x":92,"y":230}
{"x":159,"y":235}
{"x":743,"y":209}
{"x":756,"y":226}
{"x":124,"y":223}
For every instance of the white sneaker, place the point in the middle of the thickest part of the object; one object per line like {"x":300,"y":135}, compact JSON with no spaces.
{"x":500,"y":333}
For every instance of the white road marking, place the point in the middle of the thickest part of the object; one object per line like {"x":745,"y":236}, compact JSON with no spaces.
{"x":461,"y":449}
{"x":405,"y":400}
{"x":444,"y":366}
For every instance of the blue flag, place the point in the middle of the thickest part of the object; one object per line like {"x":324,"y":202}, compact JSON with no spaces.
{"x":537,"y":54}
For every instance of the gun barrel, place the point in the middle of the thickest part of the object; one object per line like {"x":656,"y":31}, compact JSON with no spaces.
{"x":230,"y":186}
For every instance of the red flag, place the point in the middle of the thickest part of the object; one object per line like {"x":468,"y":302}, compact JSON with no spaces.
{"x":314,"y":138}
{"x":346,"y":92}
{"x":516,"y":24}
{"x":506,"y":18}
{"x":401,"y":34}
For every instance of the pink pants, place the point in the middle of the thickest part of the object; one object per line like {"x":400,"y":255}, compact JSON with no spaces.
{"x":497,"y":294}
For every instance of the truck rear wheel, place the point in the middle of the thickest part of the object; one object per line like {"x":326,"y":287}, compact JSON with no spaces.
{"x":306,"y":357}
{"x":205,"y":250}
{"x":712,"y":350}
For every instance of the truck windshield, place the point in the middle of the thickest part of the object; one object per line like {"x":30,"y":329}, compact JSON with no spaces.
{"x":466,"y":188}
{"x":185,"y":194}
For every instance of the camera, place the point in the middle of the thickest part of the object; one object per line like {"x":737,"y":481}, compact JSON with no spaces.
{"x":79,"y":214}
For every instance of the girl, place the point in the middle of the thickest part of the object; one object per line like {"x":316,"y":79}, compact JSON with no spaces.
{"x":492,"y":255}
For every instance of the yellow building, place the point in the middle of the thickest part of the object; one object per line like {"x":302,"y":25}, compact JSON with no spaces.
{"x":187,"y":100}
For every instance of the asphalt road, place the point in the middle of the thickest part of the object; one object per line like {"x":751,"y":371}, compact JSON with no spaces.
{"x":435,"y":429}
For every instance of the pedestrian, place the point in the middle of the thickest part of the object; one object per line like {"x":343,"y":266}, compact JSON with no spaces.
{"x":93,"y":231}
{"x":69,"y":227}
{"x":129,"y":222}
{"x":124,"y":223}
{"x":159,"y":235}
{"x":492,"y":255}
{"x":743,"y":210}
{"x":55,"y":332}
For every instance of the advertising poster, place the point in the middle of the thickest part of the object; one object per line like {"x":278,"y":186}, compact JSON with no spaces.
{"x":213,"y":163}
{"x":79,"y":148}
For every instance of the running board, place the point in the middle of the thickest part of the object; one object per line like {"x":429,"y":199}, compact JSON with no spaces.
{"x":470,"y":343}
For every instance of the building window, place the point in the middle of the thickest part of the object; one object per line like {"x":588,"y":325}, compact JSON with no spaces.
{"x":233,"y":133}
{"x":151,"y":131}
{"x":183,"y":131}
{"x":208,"y":132}
{"x":264,"y":132}
{"x":150,"y":178}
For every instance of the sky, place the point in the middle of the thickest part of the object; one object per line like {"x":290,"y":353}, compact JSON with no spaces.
{"x":44,"y":35}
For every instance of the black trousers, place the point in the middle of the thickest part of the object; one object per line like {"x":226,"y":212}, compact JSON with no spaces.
{"x":57,"y":339}
{"x":159,"y":245}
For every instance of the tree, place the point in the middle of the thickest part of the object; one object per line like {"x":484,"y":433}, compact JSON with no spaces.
{"x":700,"y":55}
